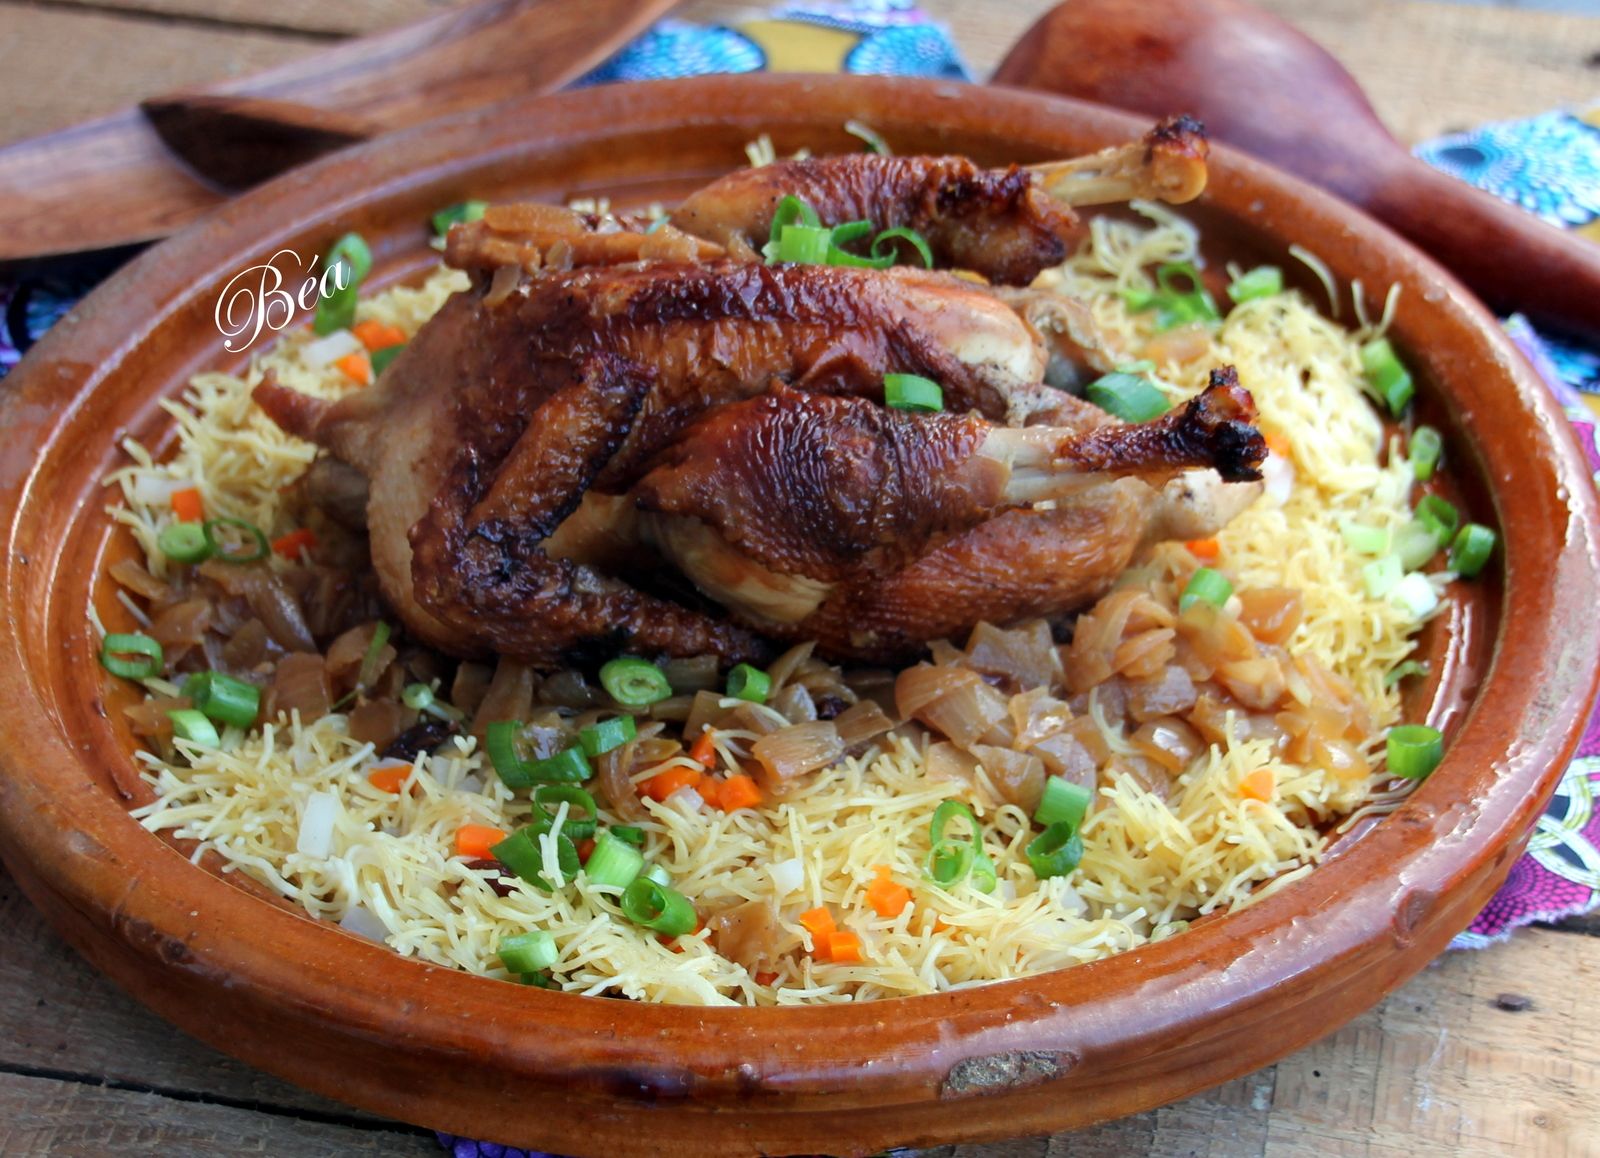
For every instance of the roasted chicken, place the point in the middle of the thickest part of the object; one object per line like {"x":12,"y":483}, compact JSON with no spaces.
{"x":622,"y":396}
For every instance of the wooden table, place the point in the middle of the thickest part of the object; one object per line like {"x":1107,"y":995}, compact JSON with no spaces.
{"x":1440,"y":1067}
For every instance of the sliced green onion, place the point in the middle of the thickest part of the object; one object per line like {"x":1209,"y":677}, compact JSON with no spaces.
{"x":223,"y":698}
{"x":668,"y":912}
{"x":1426,"y":449}
{"x":578,"y":827}
{"x":1387,"y":378}
{"x":1415,"y":543}
{"x":1139,"y":300}
{"x":352,"y":249}
{"x":1414,"y":750}
{"x":569,"y":765}
{"x":132,"y":656}
{"x":790,"y":211}
{"x":1416,"y":594}
{"x":369,"y":661}
{"x":420,"y":697}
{"x":613,"y":862}
{"x":1264,"y":281}
{"x":184,"y":543}
{"x":1406,"y":670}
{"x":539,"y":980}
{"x":191,"y":725}
{"x":457,"y":213}
{"x":1062,"y":802}
{"x":605,"y":735}
{"x":851,"y":231}
{"x":1382,"y":576}
{"x":1470,"y":553}
{"x":912,"y":392}
{"x":520,"y":853}
{"x":528,"y":952}
{"x":749,"y":683}
{"x":381,"y":358}
{"x":335,"y":312}
{"x":627,"y":832}
{"x":1206,"y":585}
{"x":658,"y":874}
{"x":948,"y":811}
{"x":1056,"y":851}
{"x":883,"y":244}
{"x":1128,"y":396}
{"x":1439,"y":516}
{"x":1191,"y":304}
{"x":1366,"y":540}
{"x":951,"y":858}
{"x":251,"y":531}
{"x":867,"y":136}
{"x":983,"y":877}
{"x":634,"y":682}
{"x":805,"y":244}
{"x":500,"y":741}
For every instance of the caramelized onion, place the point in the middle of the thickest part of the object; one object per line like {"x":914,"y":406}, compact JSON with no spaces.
{"x":947,"y":762}
{"x":747,"y":934}
{"x":346,"y":656}
{"x":246,"y":647}
{"x":148,"y":718}
{"x":1169,"y":742}
{"x":793,"y":752}
{"x":300,"y":684}
{"x":182,"y":624}
{"x":277,"y":607}
{"x":954,"y":702}
{"x":612,"y":769}
{"x":1144,"y":655}
{"x":1017,"y":776}
{"x":1271,"y":613}
{"x":787,"y":665}
{"x":861,"y":723}
{"x":696,"y":674}
{"x":510,"y":695}
{"x":1256,"y":683}
{"x":130,"y":573}
{"x":1025,"y":656}
{"x":470,"y":686}
{"x":794,"y":703}
{"x":1168,"y":693}
{"x":380,"y":722}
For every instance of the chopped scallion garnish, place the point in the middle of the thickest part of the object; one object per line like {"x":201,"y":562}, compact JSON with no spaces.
{"x":1063,"y":800}
{"x":457,"y":213}
{"x":1416,"y":543}
{"x":1414,"y":750}
{"x":804,"y":244}
{"x":605,"y":735}
{"x":912,"y":392}
{"x":1474,"y":543}
{"x":223,"y":698}
{"x":1366,"y":540}
{"x":1406,"y":670}
{"x":1056,"y":851}
{"x":627,"y":832}
{"x":634,"y":682}
{"x":1382,"y":576}
{"x":951,"y":857}
{"x":1128,"y":396}
{"x":381,"y":358}
{"x":1387,"y":378}
{"x":1439,"y":516}
{"x":184,"y":543}
{"x":883,"y":244}
{"x":420,"y":697}
{"x":582,"y":814}
{"x":1206,"y":585}
{"x":656,"y":907}
{"x":369,"y":661}
{"x":191,"y":725}
{"x":1264,"y":281}
{"x":528,"y":952}
{"x":749,"y":683}
{"x":236,"y":555}
{"x":1425,"y":450}
{"x":337,"y":311}
{"x":613,"y":862}
{"x":520,"y":853}
{"x":131,"y":656}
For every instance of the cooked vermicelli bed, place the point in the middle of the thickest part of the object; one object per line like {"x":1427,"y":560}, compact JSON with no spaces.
{"x":1026,"y":798}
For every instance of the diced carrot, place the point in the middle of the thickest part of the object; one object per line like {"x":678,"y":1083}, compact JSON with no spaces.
{"x":474,"y":841}
{"x":939,"y":926}
{"x":296,"y":543}
{"x":356,"y":367}
{"x":710,"y":790}
{"x":818,"y":922}
{"x":585,"y":849}
{"x":844,"y":947}
{"x":1262,"y":784}
{"x":887,"y":897}
{"x":1277,"y":444}
{"x":738,"y":792}
{"x":765,"y":977}
{"x":390,"y":777}
{"x":664,"y":784}
{"x":675,"y":943}
{"x":704,"y":750}
{"x":376,"y":335}
{"x":187,"y":505}
{"x":1204,"y":548}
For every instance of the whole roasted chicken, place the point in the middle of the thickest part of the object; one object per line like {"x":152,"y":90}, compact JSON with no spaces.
{"x":645,"y":438}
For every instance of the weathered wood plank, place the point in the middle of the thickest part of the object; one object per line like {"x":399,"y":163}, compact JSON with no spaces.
{"x":39,"y":1116}
{"x":58,"y":1014}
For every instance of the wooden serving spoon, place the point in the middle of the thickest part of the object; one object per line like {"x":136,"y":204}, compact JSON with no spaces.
{"x":1263,"y":86}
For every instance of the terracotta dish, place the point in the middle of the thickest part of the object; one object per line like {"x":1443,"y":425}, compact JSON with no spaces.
{"x":1514,"y":657}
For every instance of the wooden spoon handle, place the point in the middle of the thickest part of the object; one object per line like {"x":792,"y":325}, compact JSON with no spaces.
{"x":1505,"y":254}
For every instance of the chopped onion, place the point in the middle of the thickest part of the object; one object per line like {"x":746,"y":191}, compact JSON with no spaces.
{"x":1278,"y":475}
{"x":363,"y":922}
{"x":1416,"y":594}
{"x":470,"y":783}
{"x":686,"y":800}
{"x":316,"y":825}
{"x":327,"y":351}
{"x":795,"y":751}
{"x":154,"y":492}
{"x":788,"y":876}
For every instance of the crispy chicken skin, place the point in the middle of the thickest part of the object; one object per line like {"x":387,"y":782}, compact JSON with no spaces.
{"x":607,"y":395}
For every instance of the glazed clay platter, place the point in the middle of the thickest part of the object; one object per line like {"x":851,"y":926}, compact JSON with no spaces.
{"x":1513,"y":674}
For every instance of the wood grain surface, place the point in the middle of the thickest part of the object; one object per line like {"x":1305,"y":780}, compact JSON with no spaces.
{"x":1441,"y":1067}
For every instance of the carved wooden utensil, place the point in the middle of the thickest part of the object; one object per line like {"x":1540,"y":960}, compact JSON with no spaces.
{"x":1261,"y":85}
{"x":114,"y":180}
